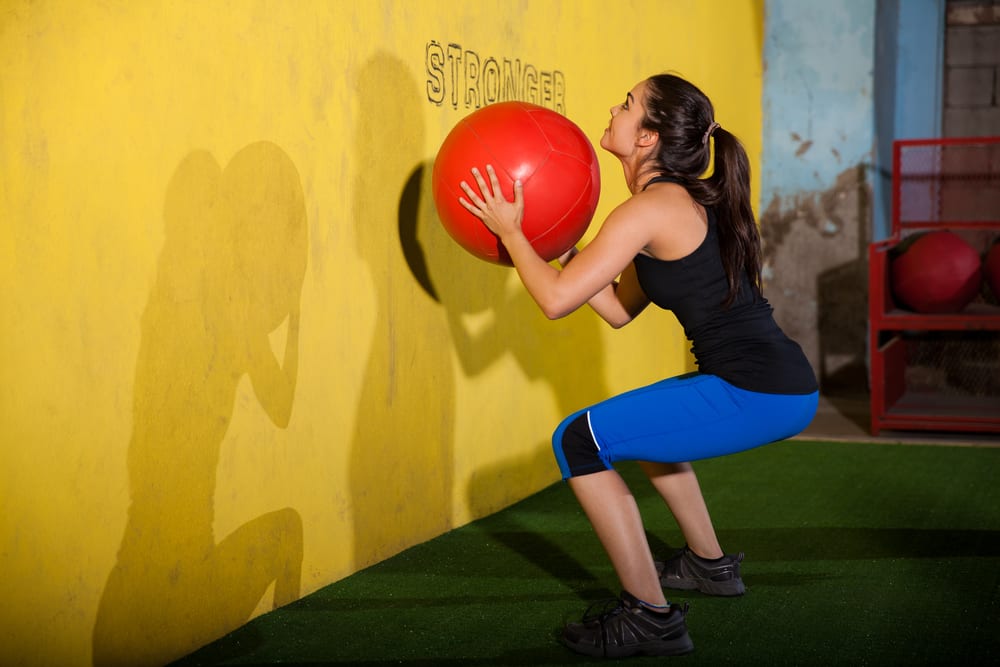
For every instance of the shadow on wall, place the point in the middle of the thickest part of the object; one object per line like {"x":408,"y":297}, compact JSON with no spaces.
{"x":491,"y":315}
{"x":842,"y":315}
{"x":567,"y":354}
{"x":816,"y":247}
{"x":402,"y":451}
{"x":230,"y":273}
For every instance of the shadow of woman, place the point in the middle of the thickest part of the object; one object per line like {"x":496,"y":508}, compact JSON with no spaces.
{"x":402,"y":453}
{"x":568,"y":354}
{"x":491,"y":315}
{"x":230,"y":273}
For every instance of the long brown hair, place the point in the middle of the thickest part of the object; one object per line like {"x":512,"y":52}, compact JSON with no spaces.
{"x":682,"y":115}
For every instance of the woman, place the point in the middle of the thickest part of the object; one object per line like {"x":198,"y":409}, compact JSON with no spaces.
{"x":690,"y":245}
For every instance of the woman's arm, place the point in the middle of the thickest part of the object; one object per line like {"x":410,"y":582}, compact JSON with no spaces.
{"x":619,"y":302}
{"x":591,"y":274}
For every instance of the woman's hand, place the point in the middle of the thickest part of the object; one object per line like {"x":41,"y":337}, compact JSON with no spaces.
{"x":500,"y":216}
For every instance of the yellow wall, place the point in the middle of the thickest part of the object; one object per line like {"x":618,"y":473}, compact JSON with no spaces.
{"x":224,"y":382}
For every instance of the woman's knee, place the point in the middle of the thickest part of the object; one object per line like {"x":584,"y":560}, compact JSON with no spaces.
{"x":575,"y":448}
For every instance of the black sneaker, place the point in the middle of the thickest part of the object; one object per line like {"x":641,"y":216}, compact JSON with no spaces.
{"x":687,"y":572}
{"x":629,"y":629}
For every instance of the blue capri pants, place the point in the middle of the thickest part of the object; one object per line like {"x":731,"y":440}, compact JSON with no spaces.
{"x":684,"y":418}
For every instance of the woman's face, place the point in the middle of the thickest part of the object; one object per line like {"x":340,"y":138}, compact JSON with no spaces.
{"x":622,"y":132}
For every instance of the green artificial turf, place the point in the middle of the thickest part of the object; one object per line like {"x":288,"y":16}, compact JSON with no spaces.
{"x":856,"y":554}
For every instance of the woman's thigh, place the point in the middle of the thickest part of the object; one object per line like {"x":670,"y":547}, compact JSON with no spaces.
{"x":694,"y":417}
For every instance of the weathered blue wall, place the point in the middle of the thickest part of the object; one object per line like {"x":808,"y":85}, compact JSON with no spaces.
{"x":818,"y":96}
{"x":909,"y":62}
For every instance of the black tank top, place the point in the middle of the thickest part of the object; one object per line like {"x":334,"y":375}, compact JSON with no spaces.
{"x":742,"y":344}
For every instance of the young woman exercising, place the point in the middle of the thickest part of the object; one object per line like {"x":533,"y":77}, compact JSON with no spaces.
{"x":689,"y":244}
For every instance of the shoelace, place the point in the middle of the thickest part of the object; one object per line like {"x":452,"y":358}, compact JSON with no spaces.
{"x":614,"y":606}
{"x":608,"y":608}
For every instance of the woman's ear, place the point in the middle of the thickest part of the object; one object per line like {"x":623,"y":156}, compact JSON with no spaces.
{"x":647,"y":138}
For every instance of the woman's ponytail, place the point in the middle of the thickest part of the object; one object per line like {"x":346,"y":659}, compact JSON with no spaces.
{"x":739,"y":239}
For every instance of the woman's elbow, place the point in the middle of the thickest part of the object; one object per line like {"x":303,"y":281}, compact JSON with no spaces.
{"x":554,"y":312}
{"x":617,"y":322}
{"x":556,"y":307}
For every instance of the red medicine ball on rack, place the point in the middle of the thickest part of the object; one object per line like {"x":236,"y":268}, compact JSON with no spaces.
{"x":935,"y":272}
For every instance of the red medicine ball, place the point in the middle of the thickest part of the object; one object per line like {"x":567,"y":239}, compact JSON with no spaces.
{"x":548,"y":153}
{"x":936,"y":272}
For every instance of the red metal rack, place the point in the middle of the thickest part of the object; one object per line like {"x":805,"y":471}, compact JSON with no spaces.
{"x":937,"y":184}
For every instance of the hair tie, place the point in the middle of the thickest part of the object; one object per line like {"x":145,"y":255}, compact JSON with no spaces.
{"x":708,"y":132}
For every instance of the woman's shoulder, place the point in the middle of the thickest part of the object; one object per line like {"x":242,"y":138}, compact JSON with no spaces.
{"x":678,"y":224}
{"x":659,"y":201}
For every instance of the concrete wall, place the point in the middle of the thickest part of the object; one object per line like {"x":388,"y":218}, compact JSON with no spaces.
{"x":241,"y":360}
{"x":972,"y":70}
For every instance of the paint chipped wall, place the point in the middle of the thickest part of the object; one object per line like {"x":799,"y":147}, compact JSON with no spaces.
{"x":815,"y":186}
